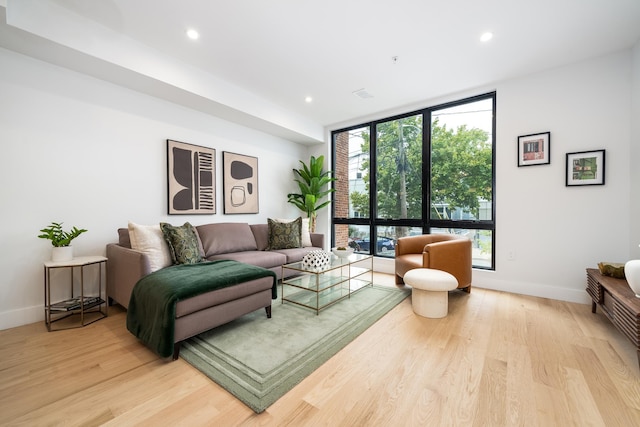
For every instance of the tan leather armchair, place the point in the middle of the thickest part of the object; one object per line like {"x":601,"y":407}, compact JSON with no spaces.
{"x":444,"y":252}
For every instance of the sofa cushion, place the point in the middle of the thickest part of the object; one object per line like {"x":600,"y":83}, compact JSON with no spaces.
{"x":123,"y":238}
{"x":261,"y":234}
{"x":223,"y":295}
{"x":305,"y":234}
{"x":150,"y":240}
{"x":284,"y":235}
{"x":264,"y":259}
{"x":226,"y":237}
{"x":183,"y":243}
{"x":295,"y":254}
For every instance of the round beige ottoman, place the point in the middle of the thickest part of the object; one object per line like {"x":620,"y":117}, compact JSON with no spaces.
{"x":429,"y":295}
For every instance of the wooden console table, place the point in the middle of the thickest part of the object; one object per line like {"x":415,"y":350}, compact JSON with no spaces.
{"x":618,"y":303}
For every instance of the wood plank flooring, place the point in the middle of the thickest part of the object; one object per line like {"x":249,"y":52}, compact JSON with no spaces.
{"x":497,"y":359}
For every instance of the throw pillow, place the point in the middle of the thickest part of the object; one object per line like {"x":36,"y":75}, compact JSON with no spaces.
{"x":305,"y":234}
{"x":149,"y":240}
{"x":284,"y":235}
{"x":183,"y":243}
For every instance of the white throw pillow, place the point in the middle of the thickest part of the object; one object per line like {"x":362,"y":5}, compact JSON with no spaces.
{"x":305,"y":235}
{"x":149,"y":240}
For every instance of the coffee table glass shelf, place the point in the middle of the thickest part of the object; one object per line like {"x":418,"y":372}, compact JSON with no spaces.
{"x":319,"y":288}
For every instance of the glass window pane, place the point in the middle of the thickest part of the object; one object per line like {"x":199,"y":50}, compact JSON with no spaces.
{"x":461,"y":162}
{"x":385,"y":242}
{"x":352,"y":171}
{"x":480,"y":243}
{"x":358,"y":236}
{"x":399,"y":168}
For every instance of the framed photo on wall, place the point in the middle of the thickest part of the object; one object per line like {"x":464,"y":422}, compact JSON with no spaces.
{"x":585,"y":168}
{"x":240,"y":175}
{"x":534,"y":149}
{"x":191,"y":172}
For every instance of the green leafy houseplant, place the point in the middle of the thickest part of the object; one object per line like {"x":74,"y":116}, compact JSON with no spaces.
{"x":312,"y":181}
{"x":58,"y":236}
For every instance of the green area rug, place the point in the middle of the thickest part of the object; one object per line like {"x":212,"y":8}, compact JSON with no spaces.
{"x":258,"y":359}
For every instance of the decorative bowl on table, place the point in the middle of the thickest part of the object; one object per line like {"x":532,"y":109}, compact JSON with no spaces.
{"x":342,"y":252}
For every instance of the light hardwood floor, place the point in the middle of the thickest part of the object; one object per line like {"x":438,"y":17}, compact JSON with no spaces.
{"x":497,"y":359}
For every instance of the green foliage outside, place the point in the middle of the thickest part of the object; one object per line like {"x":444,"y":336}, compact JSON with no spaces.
{"x":461,"y":174}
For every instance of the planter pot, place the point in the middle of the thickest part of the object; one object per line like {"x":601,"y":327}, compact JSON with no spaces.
{"x":632,"y":274}
{"x":62,"y":253}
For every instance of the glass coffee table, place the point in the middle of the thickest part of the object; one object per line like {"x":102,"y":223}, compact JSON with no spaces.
{"x":319,"y":288}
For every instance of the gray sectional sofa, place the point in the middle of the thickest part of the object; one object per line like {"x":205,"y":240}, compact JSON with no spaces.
{"x":241,"y":242}
{"x":237,"y":241}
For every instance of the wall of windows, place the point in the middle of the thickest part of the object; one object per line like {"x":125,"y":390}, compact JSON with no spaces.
{"x":428,"y":171}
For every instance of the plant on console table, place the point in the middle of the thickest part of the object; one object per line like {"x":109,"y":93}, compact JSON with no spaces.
{"x":312,"y":180}
{"x":61,"y":240}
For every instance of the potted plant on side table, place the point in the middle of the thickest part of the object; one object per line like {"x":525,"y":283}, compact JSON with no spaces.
{"x":61,"y":240}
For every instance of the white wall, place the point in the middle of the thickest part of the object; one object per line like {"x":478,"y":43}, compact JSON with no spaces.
{"x":93,"y":155}
{"x":634,"y":158}
{"x":556,"y":231}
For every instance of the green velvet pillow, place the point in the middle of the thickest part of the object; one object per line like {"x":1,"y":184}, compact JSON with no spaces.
{"x":183,"y":243}
{"x":284,"y":235}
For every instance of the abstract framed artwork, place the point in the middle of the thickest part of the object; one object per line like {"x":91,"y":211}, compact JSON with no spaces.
{"x":191,"y":172}
{"x":585,"y":168}
{"x":534,"y":149}
{"x":240,"y":176}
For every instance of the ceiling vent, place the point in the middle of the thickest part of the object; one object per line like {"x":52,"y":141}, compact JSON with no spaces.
{"x":362,"y":93}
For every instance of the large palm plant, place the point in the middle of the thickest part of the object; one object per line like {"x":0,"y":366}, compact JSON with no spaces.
{"x":312,"y":181}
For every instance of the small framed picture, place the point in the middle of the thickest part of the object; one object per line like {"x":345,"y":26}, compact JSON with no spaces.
{"x":534,"y":149}
{"x":585,"y":168}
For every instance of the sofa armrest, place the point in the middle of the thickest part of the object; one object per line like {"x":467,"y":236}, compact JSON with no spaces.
{"x":124,"y":268}
{"x":453,"y":256}
{"x":317,"y":240}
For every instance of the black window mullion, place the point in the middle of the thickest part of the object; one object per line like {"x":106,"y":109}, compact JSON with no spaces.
{"x":426,"y":170}
{"x":373,"y":187}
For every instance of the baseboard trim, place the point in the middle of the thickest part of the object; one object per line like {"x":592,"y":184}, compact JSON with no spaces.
{"x":23,"y":316}
{"x":483,"y":279}
{"x":534,"y":289}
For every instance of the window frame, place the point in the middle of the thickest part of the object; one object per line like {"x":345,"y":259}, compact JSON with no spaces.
{"x":426,"y":223}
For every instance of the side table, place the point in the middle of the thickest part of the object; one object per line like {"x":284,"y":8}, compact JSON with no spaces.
{"x":89,"y":308}
{"x":618,"y":303}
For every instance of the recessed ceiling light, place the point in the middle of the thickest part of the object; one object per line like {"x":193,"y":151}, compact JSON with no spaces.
{"x":192,"y":34}
{"x":308,"y":99}
{"x":485,"y":37}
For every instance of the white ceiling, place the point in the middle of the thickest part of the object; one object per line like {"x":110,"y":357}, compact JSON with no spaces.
{"x":280,"y":51}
